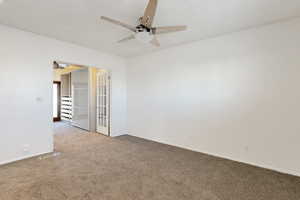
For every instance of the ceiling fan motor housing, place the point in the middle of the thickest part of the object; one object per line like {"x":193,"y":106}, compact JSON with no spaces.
{"x":142,"y":28}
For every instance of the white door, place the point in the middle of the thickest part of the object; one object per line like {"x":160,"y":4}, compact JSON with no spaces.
{"x":80,"y":99}
{"x":103,"y":102}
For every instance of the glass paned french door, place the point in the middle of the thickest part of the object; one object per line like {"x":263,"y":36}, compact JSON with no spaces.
{"x":103,"y":102}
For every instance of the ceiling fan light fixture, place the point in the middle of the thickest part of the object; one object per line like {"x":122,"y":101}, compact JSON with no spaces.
{"x":144,"y":37}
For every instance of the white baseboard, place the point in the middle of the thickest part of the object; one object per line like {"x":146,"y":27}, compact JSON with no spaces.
{"x":285,"y":171}
{"x":279,"y":170}
{"x":282,"y":171}
{"x":23,"y":157}
{"x":119,"y":133}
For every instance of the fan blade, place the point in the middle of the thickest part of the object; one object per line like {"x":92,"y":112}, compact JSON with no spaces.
{"x":116,"y":22}
{"x":155,"y":42}
{"x":168,"y":29}
{"x":126,"y":39}
{"x":147,"y":19}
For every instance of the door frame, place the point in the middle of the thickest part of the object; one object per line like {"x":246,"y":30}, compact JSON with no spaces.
{"x":58,"y":118}
{"x":111,"y":124}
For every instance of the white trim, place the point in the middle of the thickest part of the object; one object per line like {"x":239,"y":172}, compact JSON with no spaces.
{"x":119,"y":133}
{"x":275,"y":169}
{"x":23,"y":158}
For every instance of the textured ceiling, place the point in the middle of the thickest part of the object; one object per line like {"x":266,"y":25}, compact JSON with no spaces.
{"x":78,"y":21}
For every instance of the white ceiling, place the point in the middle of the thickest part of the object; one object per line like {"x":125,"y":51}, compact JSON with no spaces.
{"x":78,"y":21}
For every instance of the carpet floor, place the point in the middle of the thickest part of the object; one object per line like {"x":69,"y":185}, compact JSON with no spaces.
{"x":95,"y":167}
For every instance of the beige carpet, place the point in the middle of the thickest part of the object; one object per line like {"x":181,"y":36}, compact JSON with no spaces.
{"x":95,"y":167}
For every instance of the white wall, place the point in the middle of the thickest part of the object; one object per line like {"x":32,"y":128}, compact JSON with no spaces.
{"x":26,"y":90}
{"x":235,"y":96}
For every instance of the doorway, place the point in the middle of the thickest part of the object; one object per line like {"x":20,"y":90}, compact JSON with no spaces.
{"x":81,"y":98}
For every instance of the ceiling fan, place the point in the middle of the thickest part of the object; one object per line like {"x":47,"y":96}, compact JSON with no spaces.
{"x":144,"y":32}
